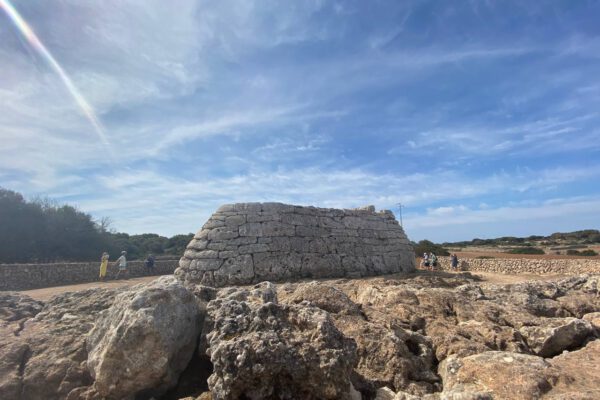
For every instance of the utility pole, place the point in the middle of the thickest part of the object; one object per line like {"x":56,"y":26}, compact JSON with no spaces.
{"x":400,"y":213}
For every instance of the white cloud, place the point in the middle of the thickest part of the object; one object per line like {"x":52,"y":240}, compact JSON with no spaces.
{"x":145,"y":201}
{"x":545,"y":217}
{"x":168,"y":79}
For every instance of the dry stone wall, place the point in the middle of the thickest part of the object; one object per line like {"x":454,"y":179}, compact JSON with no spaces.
{"x":33,"y":276}
{"x":525,"y":265}
{"x":252,"y":242}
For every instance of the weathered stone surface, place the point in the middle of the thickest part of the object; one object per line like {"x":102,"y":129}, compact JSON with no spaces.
{"x":577,"y":374}
{"x":31,"y":276}
{"x":555,"y":335}
{"x":15,"y":307}
{"x":594,"y":319}
{"x":386,"y":393}
{"x":145,"y":340}
{"x":496,"y":375}
{"x":527,"y":266}
{"x":260,"y":349}
{"x":286,"y":242}
{"x":43,"y":354}
{"x":387,"y":354}
{"x":504,"y":375}
{"x":424,"y":335}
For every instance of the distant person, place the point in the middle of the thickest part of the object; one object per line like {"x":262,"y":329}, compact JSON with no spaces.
{"x":425,"y":260}
{"x":122,"y":264}
{"x":432,"y":261}
{"x":454,"y":261}
{"x":149,"y":263}
{"x":103,"y":265}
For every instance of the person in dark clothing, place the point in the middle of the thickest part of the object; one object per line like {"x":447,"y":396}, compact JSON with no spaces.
{"x":149,"y":263}
{"x":454,"y":261}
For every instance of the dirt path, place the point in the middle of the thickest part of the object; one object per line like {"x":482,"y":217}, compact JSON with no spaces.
{"x":488,"y":277}
{"x":502,"y":279}
{"x":46,"y":293}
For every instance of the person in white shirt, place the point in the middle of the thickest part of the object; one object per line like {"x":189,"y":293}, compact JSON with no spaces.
{"x":122,"y":264}
{"x":425,"y":260}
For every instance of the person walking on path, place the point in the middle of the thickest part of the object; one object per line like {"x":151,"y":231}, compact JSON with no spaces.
{"x":122,"y":264}
{"x":432,"y":261}
{"x":149,"y":264}
{"x":103,"y":265}
{"x":425,"y":261}
{"x":454,"y":262}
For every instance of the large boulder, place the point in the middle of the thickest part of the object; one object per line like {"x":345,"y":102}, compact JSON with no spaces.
{"x":322,"y":295}
{"x":264,"y":350}
{"x":253,"y":242}
{"x":387,"y":353}
{"x":577,"y":374}
{"x":554,"y":335}
{"x":43,"y":352}
{"x":145,"y":340}
{"x":496,"y":375}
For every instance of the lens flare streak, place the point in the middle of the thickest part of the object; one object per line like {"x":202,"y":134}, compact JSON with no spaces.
{"x":37,"y":44}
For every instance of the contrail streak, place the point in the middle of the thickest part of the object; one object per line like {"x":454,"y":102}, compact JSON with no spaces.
{"x":37,"y":44}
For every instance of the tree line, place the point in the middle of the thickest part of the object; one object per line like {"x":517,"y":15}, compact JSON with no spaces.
{"x":582,"y":237}
{"x":43,"y":231}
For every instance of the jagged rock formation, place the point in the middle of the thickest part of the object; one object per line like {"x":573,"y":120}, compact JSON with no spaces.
{"x":144,"y":342}
{"x":42,"y":354}
{"x":253,"y":242}
{"x":264,"y":350}
{"x":418,"y":336}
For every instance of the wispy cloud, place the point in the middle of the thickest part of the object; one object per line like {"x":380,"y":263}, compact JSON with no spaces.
{"x":131,"y":195}
{"x":440,"y":107}
{"x":463,"y":223}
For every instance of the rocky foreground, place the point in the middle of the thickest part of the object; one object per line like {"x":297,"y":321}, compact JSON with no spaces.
{"x":421,"y":336}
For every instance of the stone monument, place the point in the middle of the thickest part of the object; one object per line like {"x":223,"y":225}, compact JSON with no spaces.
{"x":252,"y":242}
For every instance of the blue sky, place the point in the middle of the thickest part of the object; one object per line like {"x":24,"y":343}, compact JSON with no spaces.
{"x":481,"y":117}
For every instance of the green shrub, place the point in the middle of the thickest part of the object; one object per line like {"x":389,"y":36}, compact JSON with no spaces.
{"x":485,"y":257}
{"x":587,"y":253}
{"x":425,"y":246}
{"x":526,"y":250}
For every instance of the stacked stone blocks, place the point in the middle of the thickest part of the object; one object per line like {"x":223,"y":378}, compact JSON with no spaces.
{"x":525,"y":265}
{"x":252,"y":242}
{"x":33,"y":276}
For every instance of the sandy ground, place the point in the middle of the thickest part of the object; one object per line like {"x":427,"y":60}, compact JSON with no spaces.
{"x":46,"y":293}
{"x":500,"y":279}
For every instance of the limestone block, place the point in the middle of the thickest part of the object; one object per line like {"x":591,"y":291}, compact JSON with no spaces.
{"x":299,"y":244}
{"x":235,"y":271}
{"x":206,"y":254}
{"x":197,"y":244}
{"x":222,"y":233}
{"x":213,"y":223}
{"x":251,"y":229}
{"x":216,"y":246}
{"x":322,"y":266}
{"x":206,"y":264}
{"x":300,"y":219}
{"x":253,"y":248}
{"x":274,"y":228}
{"x":263,"y":217}
{"x":311,"y":231}
{"x":235,"y":220}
